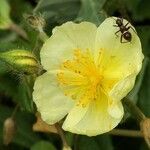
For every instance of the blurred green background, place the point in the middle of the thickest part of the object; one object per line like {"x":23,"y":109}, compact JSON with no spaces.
{"x":14,"y":91}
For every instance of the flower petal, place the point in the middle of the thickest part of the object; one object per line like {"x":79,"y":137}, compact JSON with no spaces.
{"x":122,"y":88}
{"x":117,"y":56}
{"x":65,"y":39}
{"x":115,"y":109}
{"x":49,"y":99}
{"x":93,"y":119}
{"x":119,"y":62}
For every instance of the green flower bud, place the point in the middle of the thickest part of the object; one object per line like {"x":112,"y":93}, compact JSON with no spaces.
{"x":38,"y":23}
{"x":5,"y":20}
{"x":67,"y":148}
{"x":9,"y":130}
{"x":21,"y":60}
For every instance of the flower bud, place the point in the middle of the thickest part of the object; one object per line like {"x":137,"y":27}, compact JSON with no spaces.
{"x":67,"y":148}
{"x":9,"y":130}
{"x":36,"y":22}
{"x":21,"y":60}
{"x":5,"y":20}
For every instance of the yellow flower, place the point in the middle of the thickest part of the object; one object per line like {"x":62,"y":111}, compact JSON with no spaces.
{"x":89,"y":71}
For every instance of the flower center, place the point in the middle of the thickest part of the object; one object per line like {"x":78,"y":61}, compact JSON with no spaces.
{"x":80,"y":77}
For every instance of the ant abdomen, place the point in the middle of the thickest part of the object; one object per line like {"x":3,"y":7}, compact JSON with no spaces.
{"x":124,"y":29}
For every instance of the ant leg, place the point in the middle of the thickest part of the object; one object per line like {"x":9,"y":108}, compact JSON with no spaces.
{"x":117,"y":32}
{"x":122,"y":20}
{"x":115,"y":25}
{"x":121,"y":39}
{"x":126,"y":24}
{"x":113,"y":18}
{"x":130,"y":27}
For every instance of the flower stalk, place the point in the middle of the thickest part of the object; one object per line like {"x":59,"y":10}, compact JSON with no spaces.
{"x":43,"y":36}
{"x":141,"y":118}
{"x":133,"y":109}
{"x":62,"y":136}
{"x":126,"y":133}
{"x":17,"y":29}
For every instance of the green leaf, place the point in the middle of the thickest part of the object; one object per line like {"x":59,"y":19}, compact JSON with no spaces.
{"x":58,"y":11}
{"x":19,"y":7}
{"x":87,"y":143}
{"x":133,"y":95}
{"x":43,"y":145}
{"x":7,"y":83}
{"x":15,"y":88}
{"x":5,"y":19}
{"x":101,"y":142}
{"x":144,"y":34}
{"x":104,"y":141}
{"x":144,"y":146}
{"x":25,"y":100}
{"x":144,"y":94}
{"x":139,"y":9}
{"x":24,"y":136}
{"x":70,"y":138}
{"x":143,"y":13}
{"x":91,"y":10}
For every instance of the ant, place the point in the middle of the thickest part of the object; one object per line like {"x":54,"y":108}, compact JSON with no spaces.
{"x":124,"y":30}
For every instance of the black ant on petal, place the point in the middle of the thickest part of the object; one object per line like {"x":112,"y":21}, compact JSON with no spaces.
{"x":124,"y":29}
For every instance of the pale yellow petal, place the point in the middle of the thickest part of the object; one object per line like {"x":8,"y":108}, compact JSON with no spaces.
{"x":49,"y":99}
{"x":122,"y":88}
{"x":64,"y":40}
{"x":121,"y":58}
{"x":93,"y":119}
{"x":119,"y":62}
{"x":115,"y":109}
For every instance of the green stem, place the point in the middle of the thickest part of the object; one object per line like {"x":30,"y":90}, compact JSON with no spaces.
{"x":133,"y":109}
{"x":15,"y":111}
{"x":14,"y":27}
{"x":126,"y":133}
{"x":76,"y":142}
{"x":141,"y":118}
{"x":42,"y":35}
{"x":29,"y":91}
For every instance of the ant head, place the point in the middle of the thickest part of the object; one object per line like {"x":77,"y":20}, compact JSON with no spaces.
{"x":119,"y":22}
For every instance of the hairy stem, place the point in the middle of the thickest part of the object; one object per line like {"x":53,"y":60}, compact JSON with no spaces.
{"x":42,"y":35}
{"x":14,"y":27}
{"x":144,"y":122}
{"x":126,"y":133}
{"x":15,"y":111}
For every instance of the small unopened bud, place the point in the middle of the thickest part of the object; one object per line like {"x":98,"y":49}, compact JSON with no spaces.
{"x":9,"y":130}
{"x":67,"y":148}
{"x":36,"y":22}
{"x":5,"y":20}
{"x":22,"y":61}
{"x":145,"y":128}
